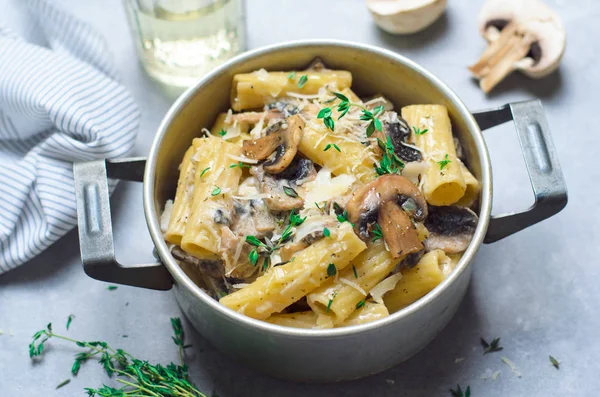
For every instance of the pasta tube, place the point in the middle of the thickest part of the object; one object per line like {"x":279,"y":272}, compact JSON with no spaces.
{"x":283,"y":285}
{"x":335,"y":301}
{"x":353,"y":157}
{"x":256,"y":89}
{"x":419,"y":280}
{"x":213,"y":186}
{"x":443,"y":182}
{"x":472,"y":190}
{"x":182,"y":204}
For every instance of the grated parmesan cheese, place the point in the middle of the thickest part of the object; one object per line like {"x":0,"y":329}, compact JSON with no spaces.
{"x":243,"y":159}
{"x":166,"y":216}
{"x":384,"y":286}
{"x":354,"y":285}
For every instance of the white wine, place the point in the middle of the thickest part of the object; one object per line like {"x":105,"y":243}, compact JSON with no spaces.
{"x":181,"y":40}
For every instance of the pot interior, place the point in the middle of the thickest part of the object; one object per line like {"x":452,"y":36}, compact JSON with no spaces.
{"x":373,"y":73}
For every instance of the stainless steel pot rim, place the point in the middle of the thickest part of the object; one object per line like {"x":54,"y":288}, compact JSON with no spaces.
{"x":181,"y":278}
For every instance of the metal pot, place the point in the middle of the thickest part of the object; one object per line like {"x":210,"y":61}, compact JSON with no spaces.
{"x":298,"y":354}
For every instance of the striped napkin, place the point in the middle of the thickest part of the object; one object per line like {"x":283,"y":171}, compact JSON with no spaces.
{"x":60,"y":102}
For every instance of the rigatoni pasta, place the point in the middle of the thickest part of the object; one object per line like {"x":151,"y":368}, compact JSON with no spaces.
{"x":295,"y":208}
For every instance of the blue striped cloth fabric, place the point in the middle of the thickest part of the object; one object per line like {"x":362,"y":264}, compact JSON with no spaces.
{"x":60,"y":102}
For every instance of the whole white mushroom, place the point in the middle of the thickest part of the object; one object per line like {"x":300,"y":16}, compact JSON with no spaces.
{"x":405,"y":16}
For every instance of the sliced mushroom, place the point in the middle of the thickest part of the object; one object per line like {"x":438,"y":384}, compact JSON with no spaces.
{"x":212,"y":267}
{"x":252,"y":218}
{"x":393,"y":202}
{"x":405,"y":17}
{"x":280,"y":145}
{"x":236,"y":264}
{"x":399,"y":131}
{"x":451,"y":228}
{"x":281,"y":196}
{"x":523,"y":35}
{"x":299,"y":172}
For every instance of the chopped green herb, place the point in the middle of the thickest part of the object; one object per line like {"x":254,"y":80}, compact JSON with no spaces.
{"x":112,"y":287}
{"x":252,"y":240}
{"x":203,"y":171}
{"x":292,"y":76}
{"x":253,"y":257}
{"x":491,"y":347}
{"x":444,"y":162}
{"x":329,"y":305}
{"x":216,"y":190}
{"x":266,"y":263}
{"x":329,"y":145}
{"x":554,"y":362}
{"x":290,"y":192}
{"x":459,"y":393}
{"x":240,"y":164}
{"x":376,"y":232}
{"x":63,"y":383}
{"x":296,"y":220}
{"x":325,"y":114}
{"x":223,"y":132}
{"x":331,"y":270}
{"x":390,"y":162}
{"x":360,"y":304}
{"x":354,"y":271}
{"x":344,"y":217}
{"x":302,"y":81}
{"x":419,"y":131}
{"x":326,"y":232}
{"x":69,"y":319}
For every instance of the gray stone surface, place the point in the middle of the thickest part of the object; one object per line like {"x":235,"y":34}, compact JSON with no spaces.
{"x":538,"y":290}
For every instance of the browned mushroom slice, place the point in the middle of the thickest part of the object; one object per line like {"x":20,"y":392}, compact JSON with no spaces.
{"x":451,"y":229}
{"x":280,"y":146}
{"x":210,"y":266}
{"x":398,"y":230}
{"x":392,"y":201}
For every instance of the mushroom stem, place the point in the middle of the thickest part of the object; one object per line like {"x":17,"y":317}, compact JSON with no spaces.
{"x":501,"y":57}
{"x":404,"y":240}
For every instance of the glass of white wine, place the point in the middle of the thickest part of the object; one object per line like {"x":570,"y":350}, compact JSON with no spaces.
{"x":179,"y":41}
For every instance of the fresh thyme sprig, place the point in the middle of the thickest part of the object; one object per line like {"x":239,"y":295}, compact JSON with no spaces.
{"x":390,"y":162}
{"x":491,"y":347}
{"x":138,"y":377}
{"x":239,"y":164}
{"x":268,"y":247}
{"x":344,"y":106}
{"x":179,"y":338}
{"x":302,"y":81}
{"x":360,"y":304}
{"x":458,"y":392}
{"x":223,"y":132}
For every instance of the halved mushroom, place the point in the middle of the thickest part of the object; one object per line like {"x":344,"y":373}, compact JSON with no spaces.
{"x":523,"y":35}
{"x":394,"y":203}
{"x":280,"y":145}
{"x":451,"y":228}
{"x":405,"y":17}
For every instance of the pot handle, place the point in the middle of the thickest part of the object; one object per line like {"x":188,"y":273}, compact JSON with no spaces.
{"x":544,"y":170}
{"x":95,"y":228}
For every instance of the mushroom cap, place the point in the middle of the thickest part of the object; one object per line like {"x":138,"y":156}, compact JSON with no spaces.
{"x":405,"y":16}
{"x":534,"y":17}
